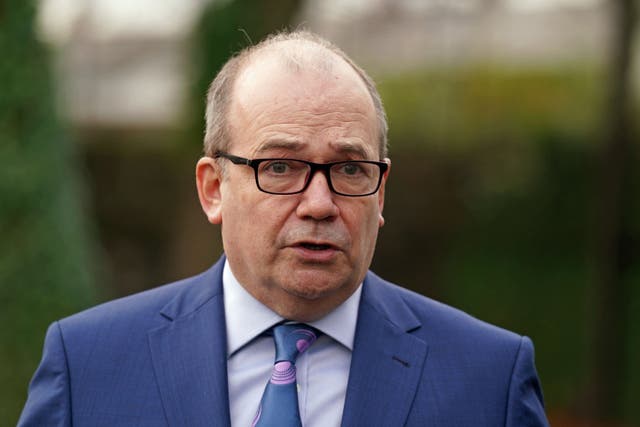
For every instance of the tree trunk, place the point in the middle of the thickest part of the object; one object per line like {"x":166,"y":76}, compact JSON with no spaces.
{"x":610,"y":244}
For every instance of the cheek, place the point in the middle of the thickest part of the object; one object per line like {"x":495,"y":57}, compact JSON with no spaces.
{"x":236,"y":217}
{"x":363,"y":223}
{"x":258,"y":220}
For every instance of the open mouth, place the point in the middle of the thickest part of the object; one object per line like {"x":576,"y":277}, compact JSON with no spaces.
{"x":315,"y":247}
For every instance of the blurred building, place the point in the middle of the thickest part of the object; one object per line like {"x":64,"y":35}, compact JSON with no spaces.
{"x":400,"y":35}
{"x":124,"y":63}
{"x":121,"y":63}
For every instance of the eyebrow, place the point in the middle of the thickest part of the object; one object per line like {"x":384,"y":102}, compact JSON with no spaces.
{"x":292,"y":145}
{"x":348,"y":147}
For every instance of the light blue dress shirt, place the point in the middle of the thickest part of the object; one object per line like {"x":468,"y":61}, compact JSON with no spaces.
{"x":322,"y":371}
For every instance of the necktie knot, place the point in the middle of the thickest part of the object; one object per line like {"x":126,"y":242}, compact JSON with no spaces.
{"x":292,"y":340}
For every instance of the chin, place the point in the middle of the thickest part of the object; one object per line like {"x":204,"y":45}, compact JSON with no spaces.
{"x":310,"y":292}
{"x":308,"y":304}
{"x":314,"y":282}
{"x":314,"y":287}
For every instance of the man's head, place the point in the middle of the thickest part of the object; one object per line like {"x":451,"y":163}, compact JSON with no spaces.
{"x":294,"y":96}
{"x":300,"y":49}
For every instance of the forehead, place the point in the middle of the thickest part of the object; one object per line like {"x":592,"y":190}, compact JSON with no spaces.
{"x":277,"y":102}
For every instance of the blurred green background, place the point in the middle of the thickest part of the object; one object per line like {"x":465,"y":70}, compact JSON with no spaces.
{"x":514,"y":192}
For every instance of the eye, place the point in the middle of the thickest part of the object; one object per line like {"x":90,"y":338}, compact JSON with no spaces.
{"x":277,"y":167}
{"x":283,"y":167}
{"x":351,"y":169}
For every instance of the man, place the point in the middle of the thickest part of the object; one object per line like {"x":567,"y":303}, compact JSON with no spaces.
{"x":294,"y":171}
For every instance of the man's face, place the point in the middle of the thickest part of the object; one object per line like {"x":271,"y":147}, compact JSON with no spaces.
{"x":304,"y":254}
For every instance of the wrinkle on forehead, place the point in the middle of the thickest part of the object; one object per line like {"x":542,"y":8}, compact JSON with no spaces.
{"x":348,"y":134}
{"x":295,"y":144}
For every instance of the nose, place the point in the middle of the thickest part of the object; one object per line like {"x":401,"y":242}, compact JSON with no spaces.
{"x":317,"y":201}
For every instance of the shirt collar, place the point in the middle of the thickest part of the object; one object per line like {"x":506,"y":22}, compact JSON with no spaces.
{"x":246,"y":317}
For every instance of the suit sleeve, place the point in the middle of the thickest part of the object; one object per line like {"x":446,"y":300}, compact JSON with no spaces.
{"x":48,"y":403}
{"x":525,"y":406}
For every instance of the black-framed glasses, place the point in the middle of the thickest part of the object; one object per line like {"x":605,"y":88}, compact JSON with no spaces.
{"x":353,"y":178}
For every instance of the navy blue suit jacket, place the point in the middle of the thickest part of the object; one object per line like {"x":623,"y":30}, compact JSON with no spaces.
{"x":158,"y":358}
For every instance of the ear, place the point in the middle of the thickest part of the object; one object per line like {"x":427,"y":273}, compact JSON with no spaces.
{"x":381,"y":192}
{"x":208,"y":180}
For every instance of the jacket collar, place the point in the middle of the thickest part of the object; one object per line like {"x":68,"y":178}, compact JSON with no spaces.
{"x":190,"y":363}
{"x":189,"y":353}
{"x":387,"y":361}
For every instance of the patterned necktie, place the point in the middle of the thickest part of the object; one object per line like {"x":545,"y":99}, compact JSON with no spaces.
{"x":279,"y":404}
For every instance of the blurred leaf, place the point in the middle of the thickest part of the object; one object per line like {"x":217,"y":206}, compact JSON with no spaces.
{"x":45,"y":257}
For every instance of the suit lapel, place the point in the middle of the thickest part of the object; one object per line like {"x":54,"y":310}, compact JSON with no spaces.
{"x":189,"y":355}
{"x":387,"y":361}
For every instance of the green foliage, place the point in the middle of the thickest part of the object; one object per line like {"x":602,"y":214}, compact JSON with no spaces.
{"x":520,"y":261}
{"x":490,"y":205}
{"x":45,"y":267}
{"x":225,"y":29}
{"x":459,"y":109}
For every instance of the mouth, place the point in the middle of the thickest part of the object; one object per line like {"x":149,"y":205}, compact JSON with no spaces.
{"x":316,"y":252}
{"x":315,"y":246}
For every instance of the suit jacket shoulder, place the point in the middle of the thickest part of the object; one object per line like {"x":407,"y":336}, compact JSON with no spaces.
{"x":146,"y":309}
{"x":444,"y":320}
{"x":426,"y":363}
{"x":138,"y":360}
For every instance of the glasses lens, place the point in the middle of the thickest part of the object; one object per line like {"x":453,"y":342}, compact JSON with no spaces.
{"x":355,"y":178}
{"x":287,"y":176}
{"x":282,"y":175}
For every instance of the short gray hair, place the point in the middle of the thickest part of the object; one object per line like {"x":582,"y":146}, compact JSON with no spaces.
{"x":217,"y":135}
